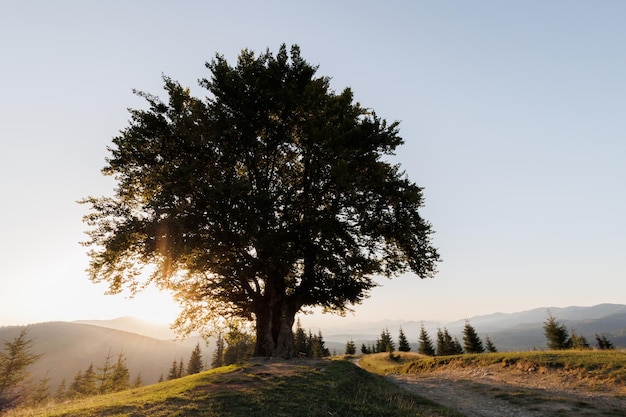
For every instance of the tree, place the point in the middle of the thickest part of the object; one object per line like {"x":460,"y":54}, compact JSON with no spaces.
{"x":300,"y":339}
{"x":104,"y":375}
{"x":604,"y":343}
{"x":364,"y":349}
{"x":88,"y":382}
{"x":120,"y":377}
{"x":138,"y":381}
{"x":385,"y":343}
{"x":194,"y":365}
{"x":14,"y":361}
{"x":471,"y":340}
{"x":173,"y":373}
{"x":579,"y":341}
{"x":556,"y":334}
{"x":240,"y":346}
{"x":350,"y":347}
{"x":218,"y":355}
{"x":446,"y":345}
{"x":403,"y":343}
{"x":425,"y":345}
{"x":491,"y":348}
{"x":269,"y":196}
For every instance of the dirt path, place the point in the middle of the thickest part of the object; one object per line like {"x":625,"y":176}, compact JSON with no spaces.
{"x":493,"y":393}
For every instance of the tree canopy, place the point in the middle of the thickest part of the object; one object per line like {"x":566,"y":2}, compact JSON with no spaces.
{"x":269,"y":196}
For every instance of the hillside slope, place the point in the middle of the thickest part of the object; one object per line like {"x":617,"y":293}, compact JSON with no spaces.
{"x":67,"y":348}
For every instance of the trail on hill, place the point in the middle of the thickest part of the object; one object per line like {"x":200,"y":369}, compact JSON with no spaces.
{"x":491,"y":392}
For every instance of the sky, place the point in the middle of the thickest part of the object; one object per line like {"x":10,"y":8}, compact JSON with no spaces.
{"x":512,"y":112}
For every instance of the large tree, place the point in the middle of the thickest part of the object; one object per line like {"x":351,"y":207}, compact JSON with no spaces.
{"x":269,"y":196}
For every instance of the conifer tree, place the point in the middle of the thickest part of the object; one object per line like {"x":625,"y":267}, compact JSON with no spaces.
{"x":194,"y":365}
{"x":385,"y":343}
{"x":14,"y":361}
{"x":138,"y":381}
{"x":350,"y":347}
{"x":61,"y":393}
{"x":218,"y":355}
{"x":161,"y":379}
{"x":75,"y":387}
{"x":300,"y":339}
{"x":579,"y":341}
{"x":471,"y":340}
{"x":425,"y":345}
{"x":120,"y":376}
{"x":490,"y":346}
{"x":41,"y":392}
{"x":457,"y":349}
{"x":318,"y":348}
{"x":88,"y":384}
{"x":239,"y":346}
{"x":556,"y":334}
{"x":181,"y":369}
{"x":104,"y":375}
{"x":173,"y":373}
{"x":604,"y":343}
{"x":403,"y":343}
{"x":364,"y":349}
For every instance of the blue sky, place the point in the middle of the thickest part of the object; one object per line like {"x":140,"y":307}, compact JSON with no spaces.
{"x":513,"y":114}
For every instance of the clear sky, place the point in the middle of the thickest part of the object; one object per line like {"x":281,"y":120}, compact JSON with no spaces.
{"x":513,"y":114}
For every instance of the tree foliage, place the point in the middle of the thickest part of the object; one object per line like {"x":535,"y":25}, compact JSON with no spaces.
{"x":14,"y":361}
{"x":446,"y":345}
{"x":403,"y":342}
{"x":471,"y":340}
{"x":195,"y":364}
{"x":425,"y":344}
{"x":269,"y":196}
{"x":557,"y":337}
{"x":604,"y":343}
{"x":350,"y":347}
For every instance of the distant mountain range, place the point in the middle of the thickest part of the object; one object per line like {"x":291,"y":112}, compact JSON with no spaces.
{"x":508,"y":331}
{"x":150,"y":349}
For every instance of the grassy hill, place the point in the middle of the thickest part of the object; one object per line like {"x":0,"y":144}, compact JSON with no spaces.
{"x":593,"y":367}
{"x":67,"y":348}
{"x":260,"y":388}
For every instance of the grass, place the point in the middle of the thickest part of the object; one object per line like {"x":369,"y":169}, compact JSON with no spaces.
{"x":590,"y":365}
{"x":334,"y":388}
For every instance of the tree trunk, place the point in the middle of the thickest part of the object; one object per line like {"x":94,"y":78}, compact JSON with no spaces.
{"x":274,"y":335}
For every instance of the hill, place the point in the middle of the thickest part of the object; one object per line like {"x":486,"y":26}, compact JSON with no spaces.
{"x":260,"y":388}
{"x":67,"y":348}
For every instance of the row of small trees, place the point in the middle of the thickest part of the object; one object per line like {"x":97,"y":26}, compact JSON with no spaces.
{"x":445,"y":343}
{"x":558,"y":337}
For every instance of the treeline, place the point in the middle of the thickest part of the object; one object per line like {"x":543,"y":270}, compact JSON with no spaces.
{"x":444,"y":344}
{"x":557,"y":337}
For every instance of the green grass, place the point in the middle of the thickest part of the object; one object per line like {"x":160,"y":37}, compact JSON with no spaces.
{"x":591,"y":365}
{"x":334,"y":388}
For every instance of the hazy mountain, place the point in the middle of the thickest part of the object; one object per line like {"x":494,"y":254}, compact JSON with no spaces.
{"x":67,"y":348}
{"x":134,"y":325}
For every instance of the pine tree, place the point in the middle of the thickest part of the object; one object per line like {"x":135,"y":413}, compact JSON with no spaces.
{"x":604,"y":343}
{"x":457,"y":349}
{"x":471,"y":341}
{"x":120,"y":376}
{"x":173,"y":373}
{"x":194,"y":365}
{"x":75,"y":386}
{"x":139,"y":381}
{"x":61,"y":393}
{"x":88,"y":384}
{"x":403,"y":343}
{"x":218,"y":355}
{"x":161,"y":379}
{"x":181,"y":369}
{"x":318,"y":348}
{"x":300,"y":339}
{"x":579,"y":341}
{"x":385,"y":343}
{"x":364,"y":349}
{"x":14,"y":361}
{"x":41,"y":392}
{"x":350,"y":347}
{"x":240,"y":346}
{"x":556,"y":334}
{"x":425,"y":345}
{"x":104,"y":375}
{"x":490,"y":346}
